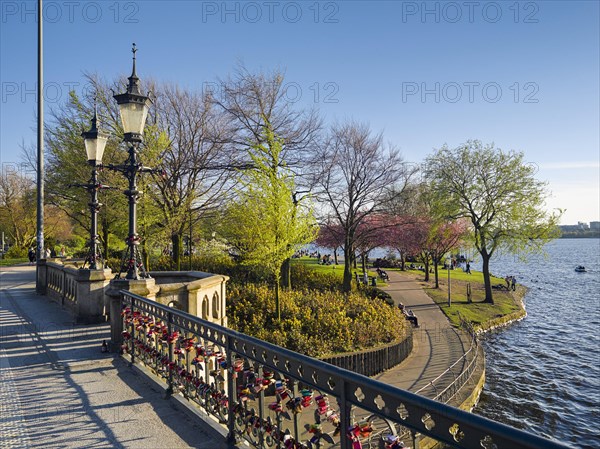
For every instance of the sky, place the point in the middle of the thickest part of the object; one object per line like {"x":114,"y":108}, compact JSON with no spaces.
{"x":522,"y":75}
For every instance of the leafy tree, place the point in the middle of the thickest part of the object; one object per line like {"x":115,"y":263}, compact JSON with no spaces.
{"x":66,"y":164}
{"x":331,"y":235}
{"x":18,"y":212}
{"x":266,"y":225}
{"x":498,"y":193}
{"x":441,"y":239}
{"x":17,"y":208}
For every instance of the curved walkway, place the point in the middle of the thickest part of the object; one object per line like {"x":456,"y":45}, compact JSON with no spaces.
{"x":436,"y":344}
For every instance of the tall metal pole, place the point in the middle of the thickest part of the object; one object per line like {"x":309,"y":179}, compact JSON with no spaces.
{"x":94,"y":208}
{"x":40,"y":149}
{"x":132,"y":193}
{"x":449,"y":300}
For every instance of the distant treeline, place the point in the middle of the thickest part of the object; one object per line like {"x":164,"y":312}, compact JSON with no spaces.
{"x":581,"y":234}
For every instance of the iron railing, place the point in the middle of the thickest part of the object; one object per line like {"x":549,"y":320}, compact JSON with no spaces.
{"x":271,"y":397}
{"x":459,"y":373}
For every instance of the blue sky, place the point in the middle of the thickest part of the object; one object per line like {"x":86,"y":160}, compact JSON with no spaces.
{"x":524,"y":75}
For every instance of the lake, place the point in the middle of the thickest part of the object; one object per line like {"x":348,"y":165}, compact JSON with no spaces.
{"x":542,"y":373}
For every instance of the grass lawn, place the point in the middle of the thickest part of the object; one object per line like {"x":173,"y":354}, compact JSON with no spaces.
{"x":338,"y":270}
{"x":478,"y":312}
{"x":8,"y":262}
{"x":313,"y":264}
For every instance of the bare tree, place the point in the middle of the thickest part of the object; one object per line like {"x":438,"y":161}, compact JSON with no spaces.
{"x":253,"y":101}
{"x":256,"y":104}
{"x":194,"y":153}
{"x":355,"y":180}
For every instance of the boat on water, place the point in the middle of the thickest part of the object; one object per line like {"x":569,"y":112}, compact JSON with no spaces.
{"x":580,"y":269}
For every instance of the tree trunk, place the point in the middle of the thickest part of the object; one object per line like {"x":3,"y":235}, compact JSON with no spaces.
{"x":486,"y":278}
{"x":435,"y":270}
{"x":347,"y":282}
{"x":363,"y":258}
{"x":286,"y":274}
{"x":277,"y":304}
{"x":176,"y":240}
{"x":335,"y":259}
{"x":426,"y":262}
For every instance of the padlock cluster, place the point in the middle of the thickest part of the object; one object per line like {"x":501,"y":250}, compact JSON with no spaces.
{"x":151,"y":342}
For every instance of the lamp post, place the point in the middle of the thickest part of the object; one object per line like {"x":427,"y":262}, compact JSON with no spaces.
{"x":95,"y":141}
{"x":133,"y":108}
{"x":448,"y":264}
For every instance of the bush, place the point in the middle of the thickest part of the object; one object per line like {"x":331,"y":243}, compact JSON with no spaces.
{"x":377,"y":293}
{"x":312,"y":322}
{"x":15,"y":252}
{"x":113,"y":263}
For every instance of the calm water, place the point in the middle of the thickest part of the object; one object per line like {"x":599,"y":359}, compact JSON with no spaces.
{"x":542,"y":373}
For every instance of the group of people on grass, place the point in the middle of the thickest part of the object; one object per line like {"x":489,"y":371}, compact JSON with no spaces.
{"x":511,"y":283}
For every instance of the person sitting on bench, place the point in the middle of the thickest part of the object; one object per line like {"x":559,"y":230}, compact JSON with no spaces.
{"x":382,"y":274}
{"x":410,"y":316}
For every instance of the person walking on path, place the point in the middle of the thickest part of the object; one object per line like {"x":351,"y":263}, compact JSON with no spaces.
{"x":31,"y":256}
{"x":468,"y":269}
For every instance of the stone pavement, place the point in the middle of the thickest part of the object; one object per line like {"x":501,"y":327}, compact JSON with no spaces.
{"x":436,"y":344}
{"x":57,"y":390}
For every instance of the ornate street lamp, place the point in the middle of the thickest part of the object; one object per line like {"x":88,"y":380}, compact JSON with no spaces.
{"x":95,"y":141}
{"x":133,"y":108}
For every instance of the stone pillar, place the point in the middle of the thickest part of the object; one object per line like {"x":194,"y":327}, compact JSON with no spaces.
{"x":41,"y":272}
{"x":90,"y":295}
{"x":143,"y":287}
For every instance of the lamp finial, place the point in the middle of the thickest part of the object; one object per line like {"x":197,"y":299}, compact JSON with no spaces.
{"x":134,"y":81}
{"x":134,"y":51}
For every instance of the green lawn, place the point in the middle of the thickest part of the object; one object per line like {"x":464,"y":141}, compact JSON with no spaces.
{"x":313,"y":263}
{"x":479,"y":313}
{"x":8,"y":262}
{"x":338,"y":270}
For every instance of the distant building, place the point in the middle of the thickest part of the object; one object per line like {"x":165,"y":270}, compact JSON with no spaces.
{"x":569,"y":228}
{"x":583,"y":226}
{"x":595,"y":225}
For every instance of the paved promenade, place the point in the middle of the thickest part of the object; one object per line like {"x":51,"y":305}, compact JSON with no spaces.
{"x":436,"y":344}
{"x":57,"y":390}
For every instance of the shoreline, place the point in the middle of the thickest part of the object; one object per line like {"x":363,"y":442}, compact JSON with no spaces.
{"x":506,"y":320}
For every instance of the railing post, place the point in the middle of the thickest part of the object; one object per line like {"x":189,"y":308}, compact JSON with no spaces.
{"x":116,"y":322}
{"x":261,"y":406}
{"x":132,"y":332}
{"x":170,"y":350}
{"x":345,"y":417}
{"x":295,"y":415}
{"x":231,"y":394}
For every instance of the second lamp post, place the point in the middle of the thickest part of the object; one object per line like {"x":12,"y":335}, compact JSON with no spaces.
{"x":95,"y":141}
{"x":133,"y":108}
